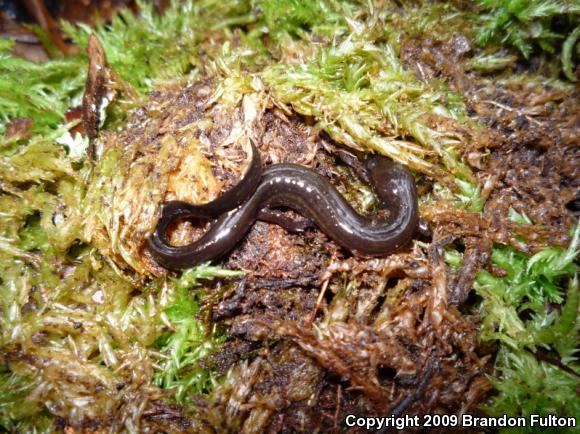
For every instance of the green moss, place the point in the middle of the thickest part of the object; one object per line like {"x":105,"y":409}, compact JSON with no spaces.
{"x":190,"y":340}
{"x":17,"y":414}
{"x":517,"y":312}
{"x":302,"y":19}
{"x":568,"y":53}
{"x":529,"y":26}
{"x":41,"y":92}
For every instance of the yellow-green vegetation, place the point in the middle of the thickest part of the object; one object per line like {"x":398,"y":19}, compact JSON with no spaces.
{"x":78,"y":338}
{"x":548,"y":25}
{"x":352,"y":87}
{"x":84,"y":340}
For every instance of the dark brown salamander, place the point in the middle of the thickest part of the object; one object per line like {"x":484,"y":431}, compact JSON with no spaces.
{"x":310,"y":194}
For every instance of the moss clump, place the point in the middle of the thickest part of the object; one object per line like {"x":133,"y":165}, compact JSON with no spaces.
{"x":89,"y":335}
{"x":529,"y":26}
{"x":527,"y":385}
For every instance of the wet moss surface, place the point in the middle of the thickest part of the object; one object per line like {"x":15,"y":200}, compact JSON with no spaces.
{"x":289,"y":333}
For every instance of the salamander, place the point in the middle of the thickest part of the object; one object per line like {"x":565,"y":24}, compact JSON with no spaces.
{"x":313,"y":196}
